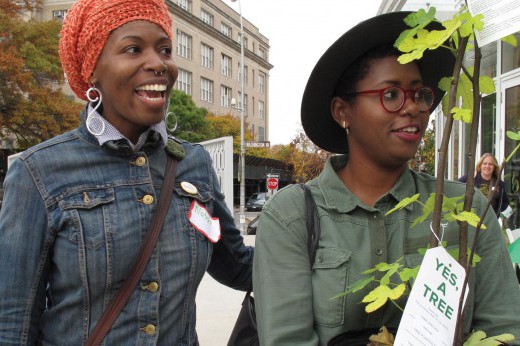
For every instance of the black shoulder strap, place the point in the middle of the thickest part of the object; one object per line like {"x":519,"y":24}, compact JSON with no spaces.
{"x":313,"y":224}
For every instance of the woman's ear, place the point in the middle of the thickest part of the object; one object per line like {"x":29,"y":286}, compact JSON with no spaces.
{"x":340,"y":110}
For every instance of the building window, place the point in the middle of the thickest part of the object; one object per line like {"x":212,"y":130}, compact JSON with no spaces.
{"x":59,"y":15}
{"x":184,"y":44}
{"x":245,"y":42}
{"x":245,"y":104}
{"x":240,"y":74}
{"x":226,"y":29}
{"x":184,"y":81}
{"x":261,"y":83}
{"x":206,"y":17}
{"x":226,"y":65}
{"x":261,"y":110}
{"x":239,"y":105}
{"x":184,"y":4}
{"x":262,"y":53}
{"x":261,"y":134}
{"x":225,"y":96}
{"x":206,"y":90}
{"x":207,"y":56}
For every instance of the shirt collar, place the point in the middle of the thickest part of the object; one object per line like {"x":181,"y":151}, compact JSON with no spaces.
{"x":111,"y":133}
{"x":338,"y":197}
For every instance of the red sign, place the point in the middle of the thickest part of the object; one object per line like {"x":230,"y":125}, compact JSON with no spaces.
{"x":272,"y":183}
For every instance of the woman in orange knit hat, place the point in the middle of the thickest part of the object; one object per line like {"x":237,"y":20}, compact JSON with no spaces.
{"x":76,"y":208}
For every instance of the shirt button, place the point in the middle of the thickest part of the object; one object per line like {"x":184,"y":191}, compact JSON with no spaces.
{"x":140,"y":161}
{"x":379,"y":252}
{"x":149,"y":329}
{"x":147,"y":199}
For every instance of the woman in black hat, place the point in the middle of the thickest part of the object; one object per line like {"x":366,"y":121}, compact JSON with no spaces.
{"x":360,"y":102}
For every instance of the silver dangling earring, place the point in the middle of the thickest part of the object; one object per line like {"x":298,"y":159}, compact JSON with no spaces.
{"x":170,"y":115}
{"x":93,"y":116}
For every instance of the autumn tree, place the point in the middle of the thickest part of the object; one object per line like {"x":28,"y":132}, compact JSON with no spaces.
{"x":32,"y":106}
{"x":307,"y":159}
{"x":424,"y":160}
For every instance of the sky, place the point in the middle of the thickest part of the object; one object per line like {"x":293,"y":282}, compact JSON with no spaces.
{"x":299,"y":32}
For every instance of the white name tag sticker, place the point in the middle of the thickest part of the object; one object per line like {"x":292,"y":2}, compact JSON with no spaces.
{"x":203,"y":222}
{"x":430,"y":315}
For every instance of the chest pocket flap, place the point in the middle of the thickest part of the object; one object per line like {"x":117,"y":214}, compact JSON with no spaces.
{"x":88,"y":199}
{"x":330,"y":258}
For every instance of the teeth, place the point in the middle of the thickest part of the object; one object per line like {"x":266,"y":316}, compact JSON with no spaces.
{"x":409,"y":129}
{"x":153,"y":87}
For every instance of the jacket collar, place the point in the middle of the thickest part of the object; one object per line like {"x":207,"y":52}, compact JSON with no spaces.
{"x":339,"y":198}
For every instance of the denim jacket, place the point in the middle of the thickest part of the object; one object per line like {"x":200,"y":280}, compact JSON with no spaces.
{"x":73,"y":217}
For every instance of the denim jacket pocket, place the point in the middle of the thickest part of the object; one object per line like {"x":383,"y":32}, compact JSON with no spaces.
{"x":330,"y":278}
{"x":184,"y":199}
{"x":89,"y":214}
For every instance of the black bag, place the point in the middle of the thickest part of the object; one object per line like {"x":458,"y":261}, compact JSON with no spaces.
{"x":244,"y":332}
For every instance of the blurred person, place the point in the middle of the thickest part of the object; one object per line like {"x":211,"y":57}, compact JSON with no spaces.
{"x":76,"y":207}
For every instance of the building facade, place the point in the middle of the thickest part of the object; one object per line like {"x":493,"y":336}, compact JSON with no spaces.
{"x":206,"y":36}
{"x":500,"y":111}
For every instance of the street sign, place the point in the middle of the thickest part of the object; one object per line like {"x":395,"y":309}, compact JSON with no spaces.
{"x":272,"y":183}
{"x":264,"y":144}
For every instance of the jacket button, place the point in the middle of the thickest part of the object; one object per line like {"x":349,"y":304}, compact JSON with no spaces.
{"x":149,"y":329}
{"x":140,"y":161}
{"x":147,"y":199}
{"x":152,"y":287}
{"x":379,"y":252}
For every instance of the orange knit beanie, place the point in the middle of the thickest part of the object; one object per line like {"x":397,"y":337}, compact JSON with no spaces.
{"x":86,"y":29}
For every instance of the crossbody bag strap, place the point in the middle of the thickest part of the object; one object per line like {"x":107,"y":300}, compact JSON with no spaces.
{"x":313,"y":224}
{"x":152,"y":235}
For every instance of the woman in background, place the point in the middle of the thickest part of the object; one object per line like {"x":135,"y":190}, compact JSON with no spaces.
{"x":485,"y":179}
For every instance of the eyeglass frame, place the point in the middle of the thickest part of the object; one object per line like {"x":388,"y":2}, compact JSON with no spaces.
{"x":406,"y":92}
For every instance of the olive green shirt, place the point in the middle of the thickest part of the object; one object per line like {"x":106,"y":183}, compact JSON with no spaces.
{"x":293,"y":303}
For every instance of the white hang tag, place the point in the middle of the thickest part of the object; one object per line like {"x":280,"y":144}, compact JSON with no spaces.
{"x":430,"y":315}
{"x":203,"y":222}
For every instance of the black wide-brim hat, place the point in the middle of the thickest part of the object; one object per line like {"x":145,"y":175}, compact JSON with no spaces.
{"x":316,"y":115}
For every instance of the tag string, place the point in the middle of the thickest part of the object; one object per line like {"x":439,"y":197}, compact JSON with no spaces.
{"x":443,"y":226}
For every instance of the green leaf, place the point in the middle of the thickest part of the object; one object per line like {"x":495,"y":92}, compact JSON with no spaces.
{"x":406,"y":201}
{"x":394,"y":267}
{"x":462,"y":114}
{"x":513,"y":135}
{"x":511,"y":39}
{"x":380,"y":295}
{"x":356,"y":286}
{"x":450,"y":203}
{"x":469,"y":217}
{"x":382,"y":266}
{"x":478,"y":338}
{"x":486,"y":85}
{"x":409,"y":273}
{"x":426,"y":211}
{"x":455,"y":254}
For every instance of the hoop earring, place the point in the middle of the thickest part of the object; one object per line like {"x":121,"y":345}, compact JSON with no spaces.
{"x":170,"y":115}
{"x":93,"y":116}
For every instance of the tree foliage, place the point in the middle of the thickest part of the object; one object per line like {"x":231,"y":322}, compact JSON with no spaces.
{"x":189,"y":120}
{"x":32,"y":106}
